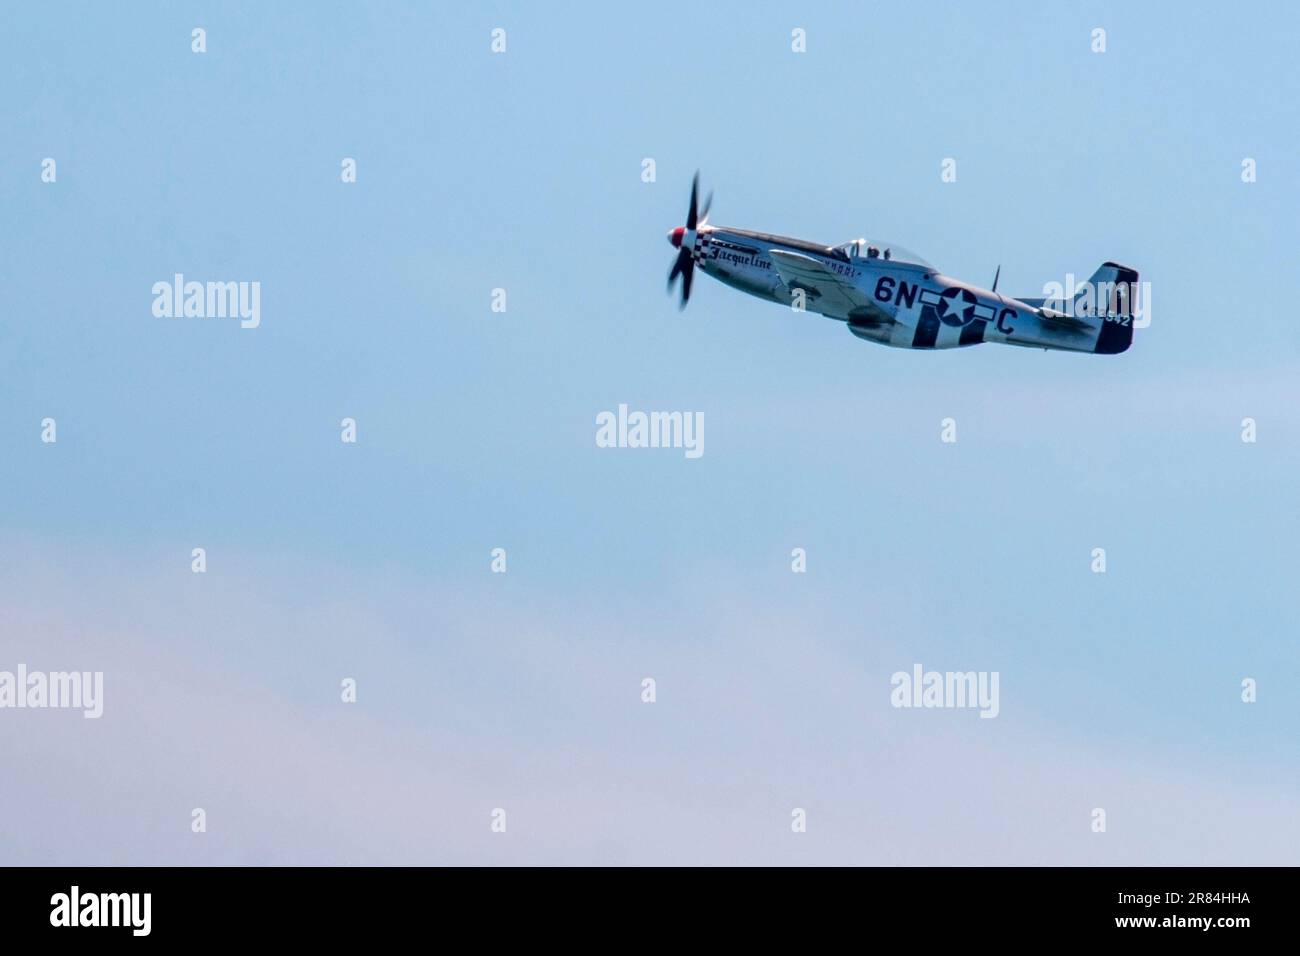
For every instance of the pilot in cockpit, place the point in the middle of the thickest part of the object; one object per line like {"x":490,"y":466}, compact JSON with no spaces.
{"x":862,"y":249}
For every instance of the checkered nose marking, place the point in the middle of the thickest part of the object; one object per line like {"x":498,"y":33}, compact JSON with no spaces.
{"x":696,"y":242}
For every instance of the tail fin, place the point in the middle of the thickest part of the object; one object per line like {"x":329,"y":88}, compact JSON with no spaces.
{"x":1109,"y":295}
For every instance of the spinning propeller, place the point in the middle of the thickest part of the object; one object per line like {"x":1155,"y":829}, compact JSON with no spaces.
{"x":683,"y":239}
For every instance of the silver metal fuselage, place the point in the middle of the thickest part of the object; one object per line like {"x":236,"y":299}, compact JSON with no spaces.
{"x":904,"y":307}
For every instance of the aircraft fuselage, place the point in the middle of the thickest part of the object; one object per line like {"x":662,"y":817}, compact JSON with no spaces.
{"x":908,"y":304}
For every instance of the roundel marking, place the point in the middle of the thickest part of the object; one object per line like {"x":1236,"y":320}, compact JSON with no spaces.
{"x":957,"y":307}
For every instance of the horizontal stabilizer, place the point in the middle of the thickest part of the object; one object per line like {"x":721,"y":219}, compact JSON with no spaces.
{"x":1066,"y":321}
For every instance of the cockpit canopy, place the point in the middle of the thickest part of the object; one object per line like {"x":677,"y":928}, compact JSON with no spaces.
{"x":876,"y":249}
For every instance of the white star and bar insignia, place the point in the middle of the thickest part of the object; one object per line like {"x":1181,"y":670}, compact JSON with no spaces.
{"x":956,"y":306}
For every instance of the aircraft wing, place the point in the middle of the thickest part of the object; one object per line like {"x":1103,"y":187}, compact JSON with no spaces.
{"x":828,"y":293}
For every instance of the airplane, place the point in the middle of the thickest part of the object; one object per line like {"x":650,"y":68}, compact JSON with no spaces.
{"x":893,"y":297}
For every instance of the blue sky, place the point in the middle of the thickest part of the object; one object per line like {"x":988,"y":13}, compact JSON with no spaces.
{"x":522,"y":171}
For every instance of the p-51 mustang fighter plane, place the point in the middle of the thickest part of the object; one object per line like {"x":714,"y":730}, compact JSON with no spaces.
{"x":891,"y":296}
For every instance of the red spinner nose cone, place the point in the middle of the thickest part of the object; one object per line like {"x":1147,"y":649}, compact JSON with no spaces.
{"x":675,"y":236}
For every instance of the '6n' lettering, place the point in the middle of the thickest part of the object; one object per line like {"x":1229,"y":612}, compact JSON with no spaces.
{"x":885,"y":292}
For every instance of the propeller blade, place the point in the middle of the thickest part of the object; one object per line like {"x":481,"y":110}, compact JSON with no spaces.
{"x":691,"y":217}
{"x":684,"y":239}
{"x":995,"y":278}
{"x":704,"y":213}
{"x":675,"y":271}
